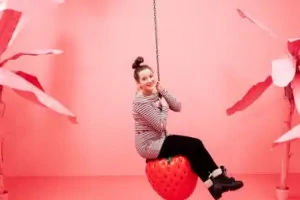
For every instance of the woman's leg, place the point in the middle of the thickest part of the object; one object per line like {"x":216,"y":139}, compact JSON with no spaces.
{"x":194,"y":150}
{"x":201,"y":162}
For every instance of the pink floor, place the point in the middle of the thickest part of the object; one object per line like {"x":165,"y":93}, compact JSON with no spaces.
{"x":257,"y":187}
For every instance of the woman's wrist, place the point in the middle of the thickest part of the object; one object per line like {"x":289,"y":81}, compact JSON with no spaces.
{"x":162,"y":91}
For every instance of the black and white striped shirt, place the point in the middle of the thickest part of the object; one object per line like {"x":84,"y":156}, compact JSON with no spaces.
{"x":151,"y":121}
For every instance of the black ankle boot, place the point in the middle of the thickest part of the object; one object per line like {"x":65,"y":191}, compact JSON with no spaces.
{"x":216,"y":191}
{"x":227,"y":183}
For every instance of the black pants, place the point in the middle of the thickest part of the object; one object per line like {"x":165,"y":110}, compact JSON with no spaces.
{"x":194,"y":150}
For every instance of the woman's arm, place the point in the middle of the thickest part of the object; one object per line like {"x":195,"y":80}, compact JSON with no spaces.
{"x":156,"y":118}
{"x":174,"y":104}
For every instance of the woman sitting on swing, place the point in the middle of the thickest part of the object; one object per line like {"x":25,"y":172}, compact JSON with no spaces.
{"x":152,"y":142}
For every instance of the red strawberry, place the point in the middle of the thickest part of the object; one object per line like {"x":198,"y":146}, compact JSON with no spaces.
{"x":172,"y":178}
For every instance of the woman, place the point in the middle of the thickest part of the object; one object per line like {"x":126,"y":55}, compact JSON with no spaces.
{"x":152,"y":141}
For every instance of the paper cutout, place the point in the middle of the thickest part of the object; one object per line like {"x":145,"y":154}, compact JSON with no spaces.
{"x":282,"y":74}
{"x":33,"y":53}
{"x":30,"y":78}
{"x":294,"y":47}
{"x":33,"y":80}
{"x":251,"y":96}
{"x":296,"y":91}
{"x":291,"y":135}
{"x":21,"y":85}
{"x":283,"y":71}
{"x":8,"y":25}
{"x":3,"y":5}
{"x":257,"y":23}
{"x":47,"y":51}
{"x":293,"y":39}
{"x":23,"y":21}
{"x":24,"y":84}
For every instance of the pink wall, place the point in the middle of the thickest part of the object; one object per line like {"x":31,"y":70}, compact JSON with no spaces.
{"x":203,"y":44}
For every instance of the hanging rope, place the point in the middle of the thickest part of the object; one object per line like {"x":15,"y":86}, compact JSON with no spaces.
{"x":156,"y":38}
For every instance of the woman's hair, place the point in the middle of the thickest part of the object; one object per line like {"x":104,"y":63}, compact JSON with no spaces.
{"x":138,"y":67}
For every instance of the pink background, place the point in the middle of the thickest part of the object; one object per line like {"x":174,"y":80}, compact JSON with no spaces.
{"x":209,"y":58}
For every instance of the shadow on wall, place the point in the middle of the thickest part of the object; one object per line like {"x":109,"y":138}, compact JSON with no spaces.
{"x":82,"y":7}
{"x":61,"y":85}
{"x":63,"y":76}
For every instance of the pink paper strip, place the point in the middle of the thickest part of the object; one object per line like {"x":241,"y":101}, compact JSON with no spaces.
{"x":289,"y":136}
{"x":256,"y":22}
{"x":30,"y":78}
{"x":33,"y":53}
{"x":8,"y":24}
{"x":10,"y":79}
{"x":283,"y":71}
{"x":251,"y":96}
{"x":3,"y":5}
{"x":23,"y":21}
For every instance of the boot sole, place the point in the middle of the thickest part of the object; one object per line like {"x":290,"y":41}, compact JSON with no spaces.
{"x":217,"y":197}
{"x":218,"y":193}
{"x":226,"y":189}
{"x":232,"y":188}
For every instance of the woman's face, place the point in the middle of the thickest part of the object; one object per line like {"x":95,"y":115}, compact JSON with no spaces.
{"x":147,"y":81}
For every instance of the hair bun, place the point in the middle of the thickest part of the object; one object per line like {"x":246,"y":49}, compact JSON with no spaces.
{"x":138,"y":61}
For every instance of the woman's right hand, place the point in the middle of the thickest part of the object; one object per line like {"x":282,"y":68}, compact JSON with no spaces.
{"x":159,"y":88}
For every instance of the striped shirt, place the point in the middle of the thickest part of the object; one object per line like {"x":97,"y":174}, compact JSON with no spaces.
{"x":151,"y":121}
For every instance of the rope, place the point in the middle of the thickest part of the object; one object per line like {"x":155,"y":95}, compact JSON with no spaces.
{"x":156,"y":38}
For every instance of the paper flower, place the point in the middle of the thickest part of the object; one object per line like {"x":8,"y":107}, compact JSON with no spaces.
{"x":24,"y":84}
{"x":284,"y":73}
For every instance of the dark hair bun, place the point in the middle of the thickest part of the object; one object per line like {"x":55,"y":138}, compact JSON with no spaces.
{"x":138,"y":61}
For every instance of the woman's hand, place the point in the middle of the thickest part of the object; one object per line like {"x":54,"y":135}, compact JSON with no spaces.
{"x":159,"y":88}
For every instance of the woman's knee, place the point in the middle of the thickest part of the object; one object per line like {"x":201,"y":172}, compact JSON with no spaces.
{"x":196,"y":143}
{"x":199,"y":142}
